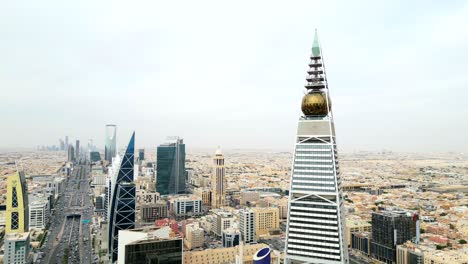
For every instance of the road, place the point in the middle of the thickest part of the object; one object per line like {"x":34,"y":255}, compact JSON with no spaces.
{"x":69,"y":232}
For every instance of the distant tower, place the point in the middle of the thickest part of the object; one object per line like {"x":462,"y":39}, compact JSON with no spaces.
{"x":111,"y":142}
{"x":17,"y":211}
{"x":141,"y":154}
{"x":66,"y":142}
{"x":71,"y":153}
{"x":315,"y":228}
{"x":61,"y":144}
{"x":170,"y":167}
{"x":218,"y":181}
{"x":123,"y":201}
{"x":77,"y":149}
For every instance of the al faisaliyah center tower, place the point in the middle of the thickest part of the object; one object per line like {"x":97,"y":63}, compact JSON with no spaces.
{"x":315,"y":229}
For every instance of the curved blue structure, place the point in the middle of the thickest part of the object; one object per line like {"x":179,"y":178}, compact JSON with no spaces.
{"x":263,"y":256}
{"x":122,"y":212}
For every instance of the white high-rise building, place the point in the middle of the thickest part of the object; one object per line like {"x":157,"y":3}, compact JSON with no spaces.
{"x":315,"y":229}
{"x":39,"y":214}
{"x":218,"y":181}
{"x":247,"y":225}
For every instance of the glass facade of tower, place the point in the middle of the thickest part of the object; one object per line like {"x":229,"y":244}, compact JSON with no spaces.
{"x":170,"y":168}
{"x":168,"y":251}
{"x":315,"y":229}
{"x":111,"y":142}
{"x":123,"y":201}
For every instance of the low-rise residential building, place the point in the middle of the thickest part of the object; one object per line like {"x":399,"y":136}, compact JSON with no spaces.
{"x":225,"y":255}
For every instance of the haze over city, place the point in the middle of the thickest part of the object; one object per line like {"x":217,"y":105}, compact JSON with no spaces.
{"x":233,"y":74}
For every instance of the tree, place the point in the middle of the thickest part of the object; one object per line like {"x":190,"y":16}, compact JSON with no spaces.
{"x":443,"y":214}
{"x":462,"y":241}
{"x":440,"y":247}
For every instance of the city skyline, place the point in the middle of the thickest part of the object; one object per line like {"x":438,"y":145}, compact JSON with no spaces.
{"x":93,"y":69}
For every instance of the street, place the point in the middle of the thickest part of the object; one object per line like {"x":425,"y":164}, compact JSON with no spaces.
{"x":68,"y":239}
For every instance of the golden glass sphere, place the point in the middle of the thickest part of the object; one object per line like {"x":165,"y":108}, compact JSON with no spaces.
{"x":315,"y":104}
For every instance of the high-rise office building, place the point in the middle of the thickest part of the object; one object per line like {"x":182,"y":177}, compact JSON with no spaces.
{"x":77,"y":149}
{"x":123,"y":199}
{"x":315,"y":228}
{"x":170,"y":167}
{"x":66,"y":142}
{"x":94,"y":156}
{"x":61,"y":144}
{"x":141,"y":154}
{"x":218,"y":181}
{"x":247,"y":226}
{"x":71,"y":153}
{"x":110,"y":148}
{"x":17,"y":211}
{"x":389,"y":229}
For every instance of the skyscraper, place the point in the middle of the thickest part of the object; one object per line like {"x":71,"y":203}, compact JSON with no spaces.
{"x":123,"y":201}
{"x":218,"y":181}
{"x":17,"y":211}
{"x":111,"y":142}
{"x":71,"y":153}
{"x":141,"y":154}
{"x":66,"y":142}
{"x":77,"y":149}
{"x":315,"y":228}
{"x":170,"y":167}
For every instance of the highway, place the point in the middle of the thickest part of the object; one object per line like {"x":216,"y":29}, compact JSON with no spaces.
{"x":68,"y":239}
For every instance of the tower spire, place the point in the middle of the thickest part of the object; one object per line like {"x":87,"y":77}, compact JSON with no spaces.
{"x":315,"y":102}
{"x":316,"y":46}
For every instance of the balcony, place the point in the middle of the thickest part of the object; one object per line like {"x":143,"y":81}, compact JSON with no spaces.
{"x":314,"y":71}
{"x":314,"y":78}
{"x":311,"y":85}
{"x":315,"y":64}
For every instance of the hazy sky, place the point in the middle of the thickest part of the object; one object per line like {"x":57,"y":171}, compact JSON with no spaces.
{"x":231,"y":73}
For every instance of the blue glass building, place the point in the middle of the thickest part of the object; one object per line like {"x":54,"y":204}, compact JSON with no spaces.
{"x":170,"y":167}
{"x":122,"y":211}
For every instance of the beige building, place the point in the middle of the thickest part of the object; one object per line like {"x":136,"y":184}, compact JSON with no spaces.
{"x":218,"y":181}
{"x":266,"y":219}
{"x":249,"y":197}
{"x":205,"y":194}
{"x":356,"y":225}
{"x":282,"y":205}
{"x":194,"y":236}
{"x":409,"y":253}
{"x":224,"y":220}
{"x":225,"y":255}
{"x":445,"y":257}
